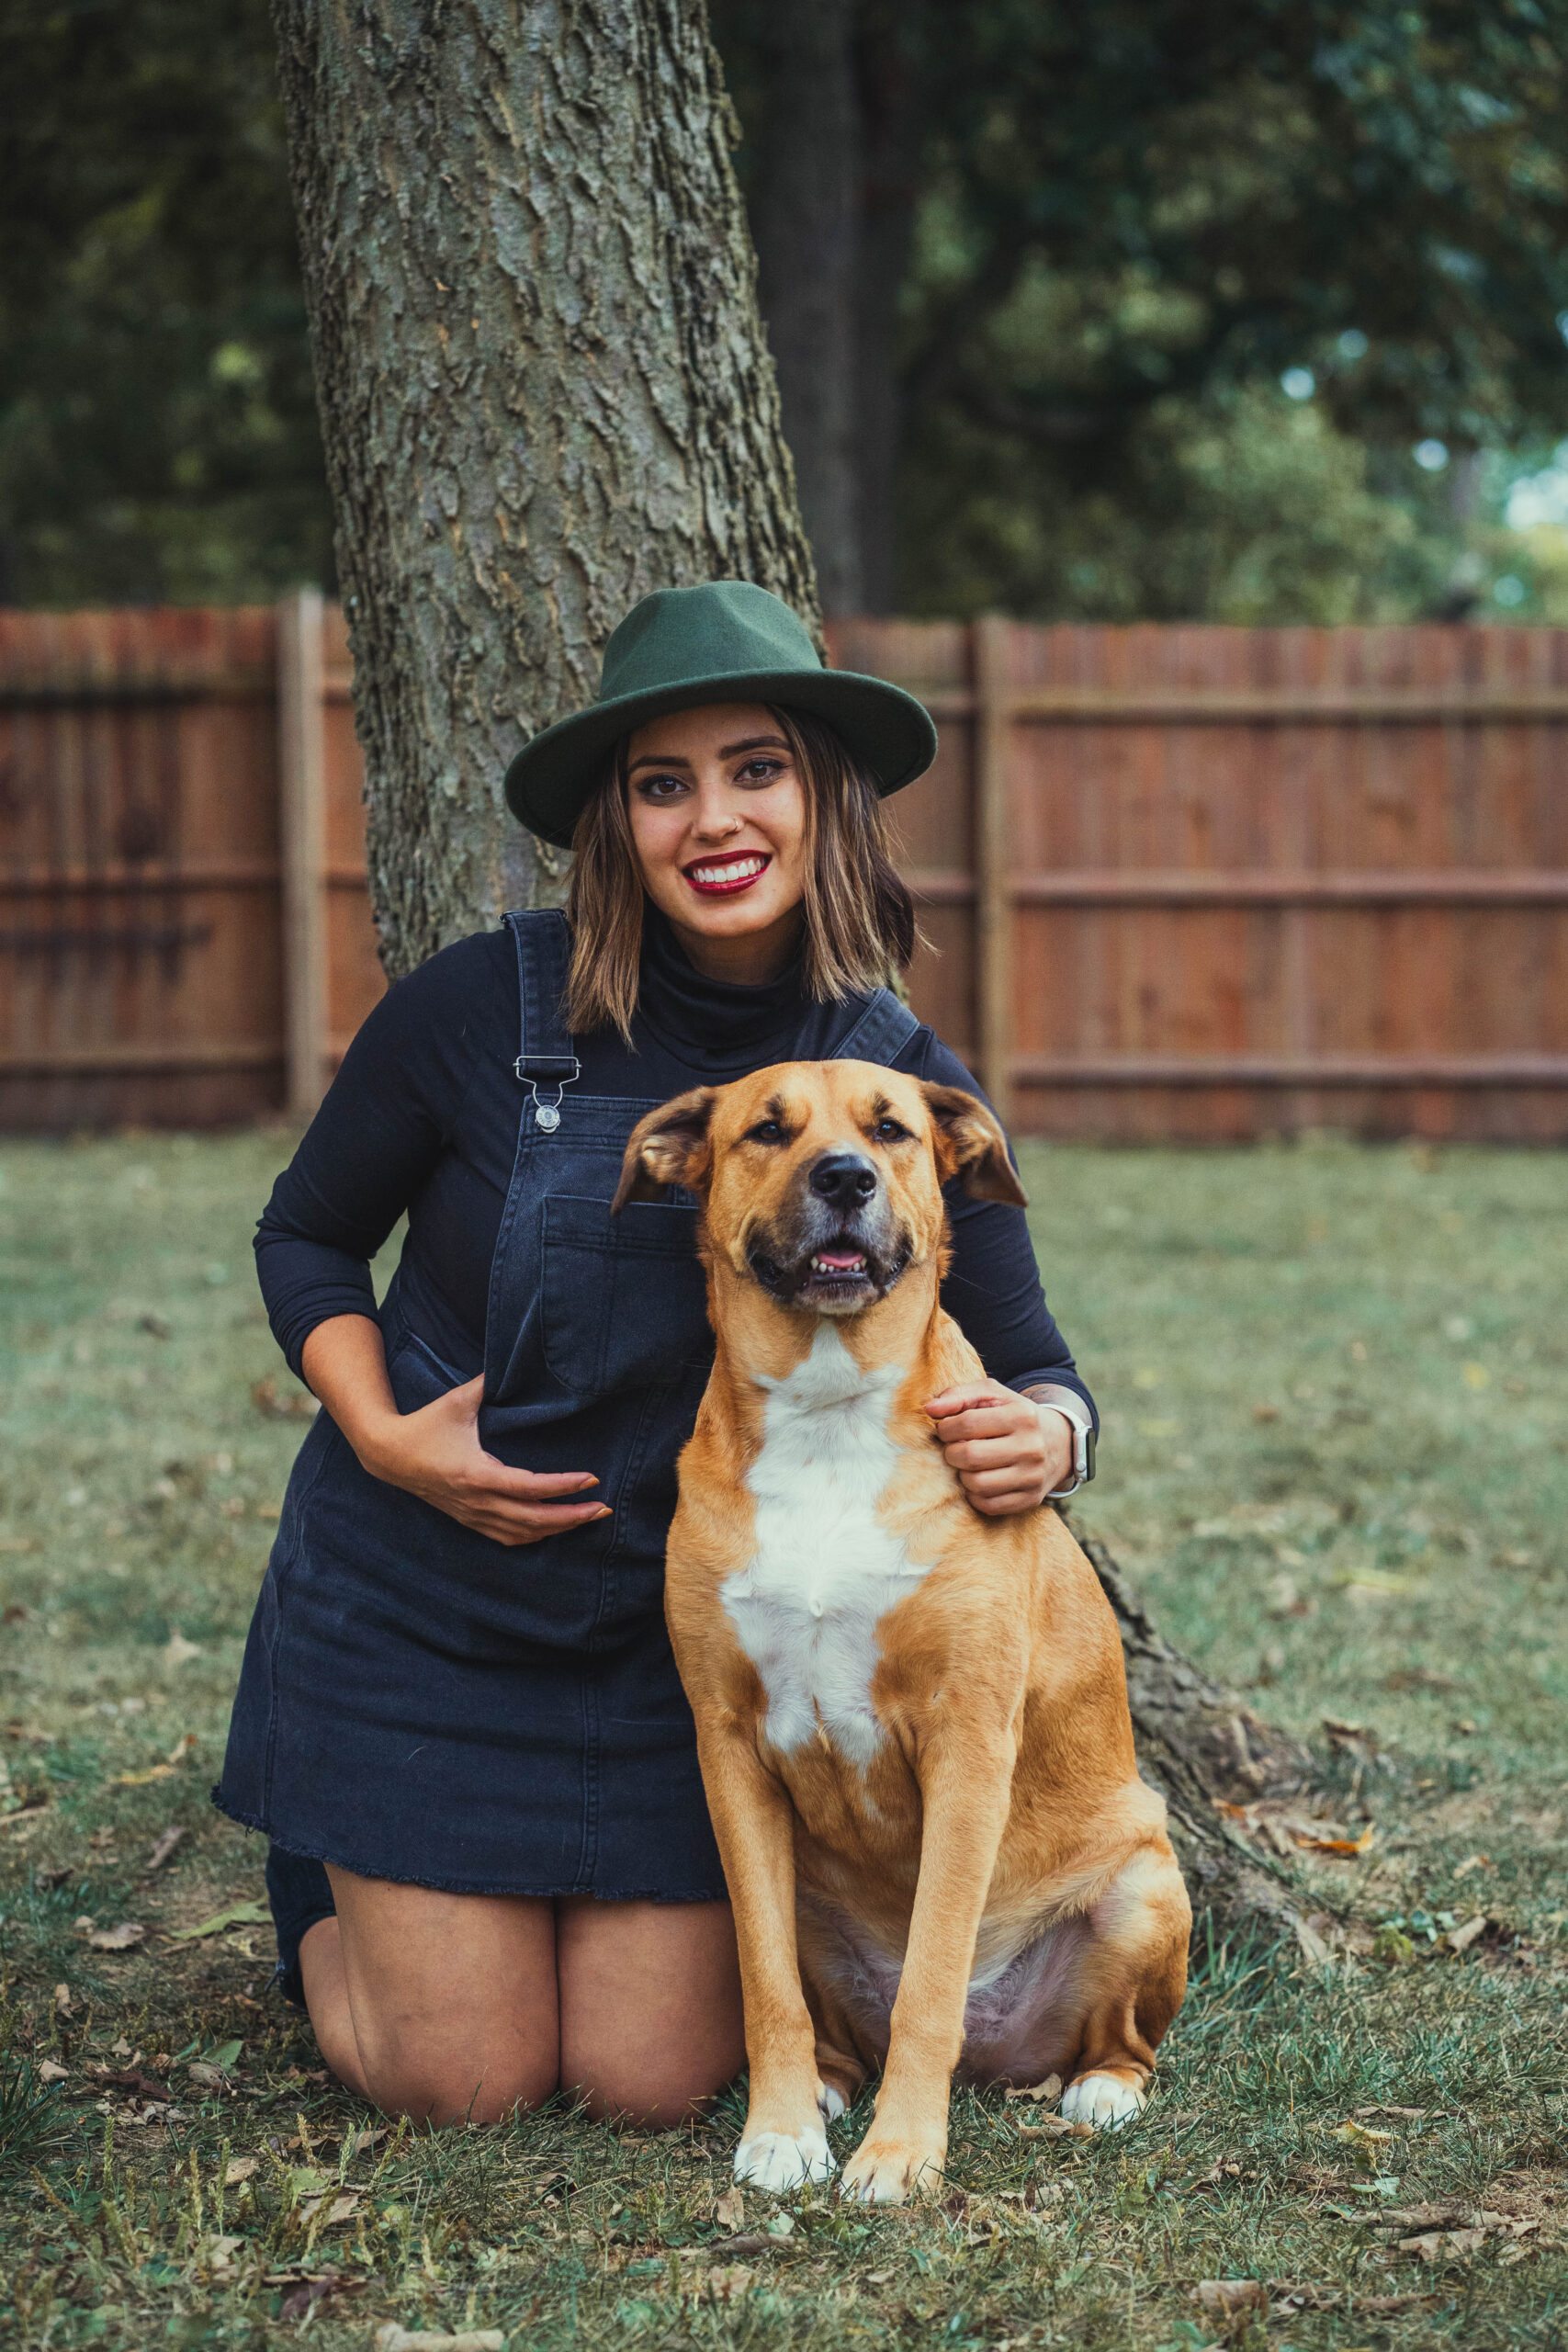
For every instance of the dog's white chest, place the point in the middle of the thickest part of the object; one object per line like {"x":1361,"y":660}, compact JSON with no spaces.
{"x":806,"y":1607}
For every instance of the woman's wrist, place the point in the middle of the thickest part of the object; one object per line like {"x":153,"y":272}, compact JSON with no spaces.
{"x":345,"y":1363}
{"x":1070,"y":1409}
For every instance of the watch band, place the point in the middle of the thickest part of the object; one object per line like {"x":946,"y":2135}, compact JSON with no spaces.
{"x":1076,"y":1416}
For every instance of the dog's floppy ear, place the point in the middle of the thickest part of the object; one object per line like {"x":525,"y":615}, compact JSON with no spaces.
{"x":670,"y":1146}
{"x":970,"y":1144}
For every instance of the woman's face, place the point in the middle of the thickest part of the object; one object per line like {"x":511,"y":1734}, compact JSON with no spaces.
{"x":717,"y":811}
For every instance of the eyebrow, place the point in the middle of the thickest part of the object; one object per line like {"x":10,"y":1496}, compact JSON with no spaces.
{"x":726,"y":751}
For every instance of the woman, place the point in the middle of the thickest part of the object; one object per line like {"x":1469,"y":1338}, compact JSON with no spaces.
{"x":458,"y":1695}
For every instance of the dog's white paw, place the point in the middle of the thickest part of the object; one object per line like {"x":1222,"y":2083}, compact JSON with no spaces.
{"x":832,"y":2103}
{"x":779,"y":2161}
{"x":1102,"y":2100}
{"x":892,"y":2172}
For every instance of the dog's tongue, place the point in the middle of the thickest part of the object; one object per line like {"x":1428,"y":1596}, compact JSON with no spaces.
{"x":840,"y":1262}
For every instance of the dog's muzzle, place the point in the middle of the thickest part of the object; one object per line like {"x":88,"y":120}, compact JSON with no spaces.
{"x":835,"y":1247}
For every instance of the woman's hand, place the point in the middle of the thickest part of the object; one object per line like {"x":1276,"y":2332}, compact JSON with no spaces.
{"x":435,"y":1452}
{"x":436,"y":1455}
{"x":1009,"y":1452}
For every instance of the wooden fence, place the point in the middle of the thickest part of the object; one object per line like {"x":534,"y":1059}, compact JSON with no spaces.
{"x":1176,"y":882}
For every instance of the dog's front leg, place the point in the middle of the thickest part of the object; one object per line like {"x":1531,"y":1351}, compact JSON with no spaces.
{"x":965,"y":1789}
{"x":783,"y":2144}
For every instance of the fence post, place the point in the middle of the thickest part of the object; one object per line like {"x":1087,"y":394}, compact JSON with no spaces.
{"x":995,"y":856}
{"x":301,"y":767}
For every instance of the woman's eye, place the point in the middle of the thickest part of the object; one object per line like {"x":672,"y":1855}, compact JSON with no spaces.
{"x":888,"y":1131}
{"x":662,"y":787}
{"x":759,"y":772}
{"x":767,"y":1131}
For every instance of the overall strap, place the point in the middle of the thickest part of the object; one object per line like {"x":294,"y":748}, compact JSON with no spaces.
{"x":544,"y":953}
{"x":881,"y":1034}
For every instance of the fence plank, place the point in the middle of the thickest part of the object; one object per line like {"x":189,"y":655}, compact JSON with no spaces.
{"x":995,"y":850}
{"x":1174,"y":882}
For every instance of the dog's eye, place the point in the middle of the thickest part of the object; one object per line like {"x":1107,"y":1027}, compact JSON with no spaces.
{"x":765,"y":1131}
{"x":888,"y":1131}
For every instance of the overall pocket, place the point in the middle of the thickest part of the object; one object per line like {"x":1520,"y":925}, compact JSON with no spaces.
{"x":623,"y":1298}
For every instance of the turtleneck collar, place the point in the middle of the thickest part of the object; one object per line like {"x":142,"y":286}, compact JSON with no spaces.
{"x":714,"y":1027}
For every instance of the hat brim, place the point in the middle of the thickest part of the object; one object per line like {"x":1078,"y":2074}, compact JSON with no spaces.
{"x":890,"y":734}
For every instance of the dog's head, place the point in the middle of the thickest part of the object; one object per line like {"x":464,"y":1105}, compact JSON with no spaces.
{"x":822,"y":1181}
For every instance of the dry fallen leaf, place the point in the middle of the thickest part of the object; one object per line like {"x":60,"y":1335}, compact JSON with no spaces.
{"x":1433,"y":2244}
{"x":1460,"y":1939}
{"x":1320,"y":1845}
{"x":1232,"y":2294}
{"x":1051,"y":2088}
{"x":123,"y":1937}
{"x":1361,"y":2135}
{"x":725,"y":2281}
{"x":730,"y":2211}
{"x":164,"y":1847}
{"x":130,"y":2078}
{"x":239,"y":2168}
{"x":1056,"y":2127}
{"x":393,"y":2339}
{"x":62,"y":1999}
{"x":50,"y":2073}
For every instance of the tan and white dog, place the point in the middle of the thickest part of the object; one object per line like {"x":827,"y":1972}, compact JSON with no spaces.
{"x":912,"y":1719}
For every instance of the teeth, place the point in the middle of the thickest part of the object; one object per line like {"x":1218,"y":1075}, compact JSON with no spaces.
{"x":820,"y":1266}
{"x":739,"y":869}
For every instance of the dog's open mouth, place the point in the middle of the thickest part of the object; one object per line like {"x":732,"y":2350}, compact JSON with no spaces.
{"x":836,"y":1277}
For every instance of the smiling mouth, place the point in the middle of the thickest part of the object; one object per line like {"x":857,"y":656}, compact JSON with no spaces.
{"x":721,"y":878}
{"x":840,"y":1274}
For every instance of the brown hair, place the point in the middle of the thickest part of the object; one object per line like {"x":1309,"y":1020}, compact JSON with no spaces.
{"x":859,"y":917}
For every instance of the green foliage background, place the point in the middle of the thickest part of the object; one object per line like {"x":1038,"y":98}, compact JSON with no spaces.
{"x":1129,"y":223}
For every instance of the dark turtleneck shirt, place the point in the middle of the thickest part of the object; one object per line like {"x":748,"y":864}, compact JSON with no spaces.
{"x":423,"y":1116}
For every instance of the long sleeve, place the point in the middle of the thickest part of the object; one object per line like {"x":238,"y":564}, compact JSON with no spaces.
{"x":373,"y":1146}
{"x":993,"y":1289}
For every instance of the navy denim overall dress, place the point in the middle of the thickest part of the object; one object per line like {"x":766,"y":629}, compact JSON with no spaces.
{"x":419,"y":1702}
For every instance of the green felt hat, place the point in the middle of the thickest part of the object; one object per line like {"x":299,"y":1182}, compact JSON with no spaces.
{"x":727,"y":642}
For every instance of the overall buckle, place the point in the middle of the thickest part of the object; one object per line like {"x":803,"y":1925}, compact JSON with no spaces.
{"x":533,"y":1071}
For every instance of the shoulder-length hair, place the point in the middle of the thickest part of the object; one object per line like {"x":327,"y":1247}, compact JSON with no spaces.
{"x":859,"y":919}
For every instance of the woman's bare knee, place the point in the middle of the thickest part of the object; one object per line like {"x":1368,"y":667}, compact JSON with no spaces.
{"x":442,"y":2090}
{"x":653,"y":2097}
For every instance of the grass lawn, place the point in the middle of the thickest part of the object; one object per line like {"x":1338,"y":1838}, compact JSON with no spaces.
{"x":1336,"y":1460}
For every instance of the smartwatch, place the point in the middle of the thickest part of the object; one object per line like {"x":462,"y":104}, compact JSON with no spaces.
{"x":1076,"y":1414}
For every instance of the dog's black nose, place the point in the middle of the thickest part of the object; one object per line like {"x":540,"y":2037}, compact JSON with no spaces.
{"x":843,"y":1178}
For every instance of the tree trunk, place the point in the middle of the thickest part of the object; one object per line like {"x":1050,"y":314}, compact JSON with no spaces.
{"x":807,"y":224}
{"x":543,"y":389}
{"x":1201,"y":1747}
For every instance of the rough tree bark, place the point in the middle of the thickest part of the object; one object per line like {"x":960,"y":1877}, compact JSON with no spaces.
{"x":542,"y":381}
{"x":545,"y":391}
{"x":1202,"y":1746}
